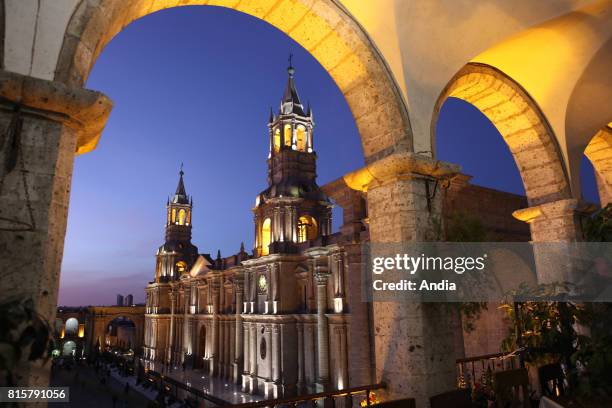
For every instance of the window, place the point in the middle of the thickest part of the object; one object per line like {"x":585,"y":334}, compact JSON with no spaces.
{"x":277,"y":140}
{"x":182,"y":216}
{"x":173,"y":215}
{"x":307,"y":228}
{"x":266,"y":232}
{"x":181,"y":267}
{"x":288,"y":135}
{"x":301,"y":138}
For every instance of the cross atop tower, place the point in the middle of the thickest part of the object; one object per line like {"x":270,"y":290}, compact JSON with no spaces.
{"x":290,"y":68}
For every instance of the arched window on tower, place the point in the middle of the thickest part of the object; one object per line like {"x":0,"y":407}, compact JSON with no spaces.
{"x":288,"y":135}
{"x":266,"y":235}
{"x":182,"y":216}
{"x":277,"y":140}
{"x":173,"y":215}
{"x":301,"y":138}
{"x":181,"y":267}
{"x":307,"y":228}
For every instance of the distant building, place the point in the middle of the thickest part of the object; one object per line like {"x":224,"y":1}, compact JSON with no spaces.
{"x":129,"y":300}
{"x":119,"y":300}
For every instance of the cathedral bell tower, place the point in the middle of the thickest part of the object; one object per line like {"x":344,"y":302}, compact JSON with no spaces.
{"x":293,"y":209}
{"x":178,"y":254}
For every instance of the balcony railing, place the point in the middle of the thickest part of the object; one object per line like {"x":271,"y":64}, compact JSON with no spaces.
{"x":318,"y":398}
{"x":474,"y":370}
{"x":172,"y":387}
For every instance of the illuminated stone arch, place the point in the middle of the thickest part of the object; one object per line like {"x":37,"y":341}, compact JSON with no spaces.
{"x":308,"y":228}
{"x":520,"y":123}
{"x":72,"y":326}
{"x":599,"y":152}
{"x":266,"y":236}
{"x":326,"y":30}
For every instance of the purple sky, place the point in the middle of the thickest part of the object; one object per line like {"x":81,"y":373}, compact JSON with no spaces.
{"x":195,"y":85}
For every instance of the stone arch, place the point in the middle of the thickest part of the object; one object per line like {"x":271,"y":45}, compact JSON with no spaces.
{"x":71,"y":327}
{"x":599,"y":152}
{"x":521,"y":124}
{"x":105,"y":318}
{"x":324,"y":28}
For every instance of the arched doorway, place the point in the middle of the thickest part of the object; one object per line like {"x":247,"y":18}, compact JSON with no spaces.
{"x":120,"y":334}
{"x":69,"y":349}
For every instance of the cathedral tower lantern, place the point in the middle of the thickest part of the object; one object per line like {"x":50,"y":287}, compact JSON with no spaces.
{"x":178,"y":254}
{"x":293,"y":209}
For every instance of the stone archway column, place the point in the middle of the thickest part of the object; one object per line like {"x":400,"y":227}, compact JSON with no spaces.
{"x":557,"y":221}
{"x":414,"y":347}
{"x":42,"y":123}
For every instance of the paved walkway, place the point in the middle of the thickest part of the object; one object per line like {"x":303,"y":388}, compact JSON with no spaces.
{"x":215,"y":386}
{"x":86,"y":390}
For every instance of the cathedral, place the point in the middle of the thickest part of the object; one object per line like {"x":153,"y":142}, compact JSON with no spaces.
{"x":289,"y":318}
{"x":284,"y":319}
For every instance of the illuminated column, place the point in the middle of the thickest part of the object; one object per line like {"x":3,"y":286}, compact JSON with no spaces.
{"x":300,"y":352}
{"x":557,"y":221}
{"x":281,"y":224}
{"x":222,"y":345}
{"x":275,"y":225}
{"x":214,"y":352}
{"x":257,"y":243}
{"x":276,"y":356}
{"x":247,"y":350}
{"x":253,"y":363}
{"x":322,"y":329}
{"x":274,"y":289}
{"x":402,"y":208}
{"x":310,"y":144}
{"x":238,"y":362}
{"x":169,"y":357}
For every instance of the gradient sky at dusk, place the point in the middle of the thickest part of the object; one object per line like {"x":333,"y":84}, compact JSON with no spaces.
{"x":195,"y":85}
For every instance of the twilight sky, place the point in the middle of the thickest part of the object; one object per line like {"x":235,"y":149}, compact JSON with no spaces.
{"x":195,"y":85}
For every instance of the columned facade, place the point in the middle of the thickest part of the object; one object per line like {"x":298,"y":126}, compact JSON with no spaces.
{"x":274,"y":322}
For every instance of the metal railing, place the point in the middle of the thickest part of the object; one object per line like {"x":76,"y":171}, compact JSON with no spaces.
{"x":329,"y":395}
{"x":172,"y":386}
{"x":473,"y":370}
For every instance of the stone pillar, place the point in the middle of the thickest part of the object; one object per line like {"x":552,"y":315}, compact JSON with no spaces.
{"x":239,"y":332}
{"x":214,"y":349}
{"x":43,"y":124}
{"x":414,"y":347}
{"x":321,"y":276}
{"x":557,"y":221}
{"x":276,"y":356}
{"x":604,"y":188}
{"x":300,"y":355}
{"x":170,"y":358}
{"x":253,"y":358}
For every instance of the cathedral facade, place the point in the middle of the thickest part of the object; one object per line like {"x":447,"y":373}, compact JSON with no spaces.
{"x":284,"y":319}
